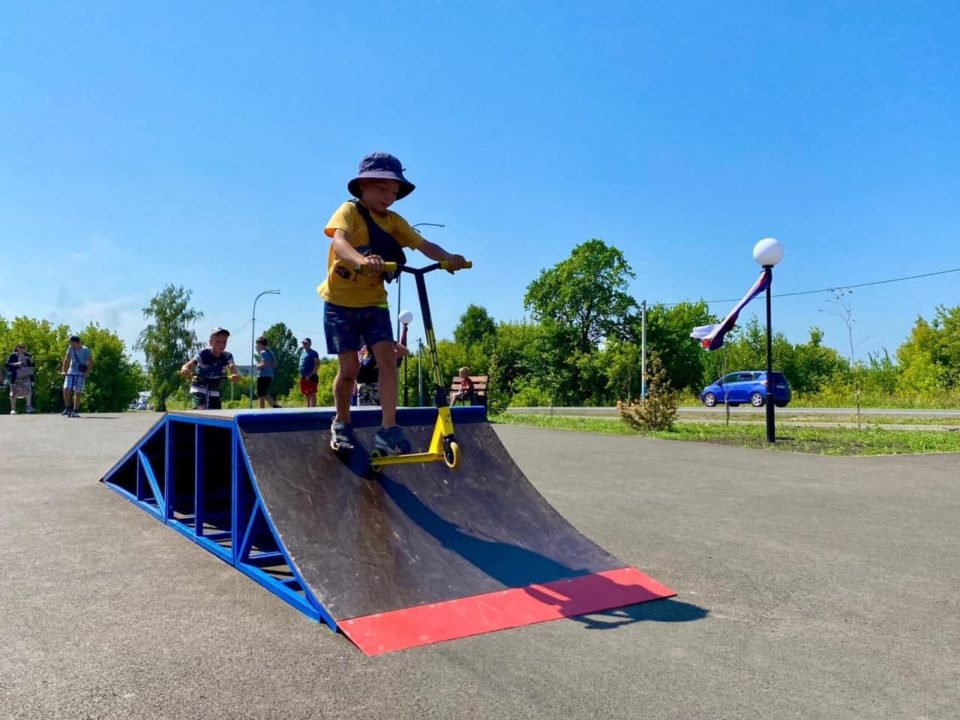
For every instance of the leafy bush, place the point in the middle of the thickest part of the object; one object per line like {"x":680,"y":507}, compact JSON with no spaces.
{"x":658,"y":411}
{"x":529,"y":393}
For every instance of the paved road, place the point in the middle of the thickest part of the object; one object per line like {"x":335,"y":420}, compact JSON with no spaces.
{"x":809,"y":587}
{"x":748,"y":410}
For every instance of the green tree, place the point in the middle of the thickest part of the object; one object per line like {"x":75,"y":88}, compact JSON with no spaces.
{"x":881,"y":375}
{"x":919,"y":356}
{"x":515,"y":362}
{"x":668,"y":335}
{"x":621,"y":361}
{"x":168,"y":340}
{"x":580,"y":302}
{"x":811,"y":365}
{"x":476,"y":327}
{"x":286,"y":349}
{"x":586,"y":294}
{"x":947,"y":321}
{"x":746,"y":347}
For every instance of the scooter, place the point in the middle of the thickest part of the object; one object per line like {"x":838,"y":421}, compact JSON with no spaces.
{"x":443,"y":444}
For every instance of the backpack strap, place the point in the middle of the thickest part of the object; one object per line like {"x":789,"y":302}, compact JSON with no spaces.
{"x":382,"y":243}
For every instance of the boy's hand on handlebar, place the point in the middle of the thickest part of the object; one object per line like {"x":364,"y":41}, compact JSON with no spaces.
{"x":371,"y":265}
{"x":455,"y":262}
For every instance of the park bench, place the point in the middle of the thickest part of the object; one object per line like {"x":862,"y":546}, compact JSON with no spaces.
{"x":479,"y":396}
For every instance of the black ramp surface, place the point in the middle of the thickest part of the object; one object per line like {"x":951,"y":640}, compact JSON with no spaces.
{"x":417,"y":533}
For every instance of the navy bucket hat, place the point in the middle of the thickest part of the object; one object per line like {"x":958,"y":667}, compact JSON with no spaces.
{"x":381,"y":166}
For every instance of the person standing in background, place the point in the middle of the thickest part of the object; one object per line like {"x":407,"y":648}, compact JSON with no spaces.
{"x":77,"y":364}
{"x":20,"y":367}
{"x":309,"y":365}
{"x":266,"y":366}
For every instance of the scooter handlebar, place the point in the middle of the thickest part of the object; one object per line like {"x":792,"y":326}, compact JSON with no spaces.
{"x":391,"y":267}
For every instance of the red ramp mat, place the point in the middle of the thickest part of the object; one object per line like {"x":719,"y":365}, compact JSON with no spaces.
{"x":426,"y":624}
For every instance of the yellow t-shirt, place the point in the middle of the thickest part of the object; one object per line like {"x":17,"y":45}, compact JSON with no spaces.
{"x":343,"y":285}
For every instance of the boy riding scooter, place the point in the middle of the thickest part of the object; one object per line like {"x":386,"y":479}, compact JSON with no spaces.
{"x":364,"y":234}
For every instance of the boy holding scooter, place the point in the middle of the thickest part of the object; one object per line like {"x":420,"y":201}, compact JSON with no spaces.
{"x":364,"y":233}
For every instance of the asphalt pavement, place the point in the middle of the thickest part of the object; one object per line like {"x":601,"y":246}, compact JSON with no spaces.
{"x":808,"y":587}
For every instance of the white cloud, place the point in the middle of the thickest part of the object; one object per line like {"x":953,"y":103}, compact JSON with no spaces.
{"x":122,"y":315}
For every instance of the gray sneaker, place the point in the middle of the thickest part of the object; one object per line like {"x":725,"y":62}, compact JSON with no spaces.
{"x":392,"y":441}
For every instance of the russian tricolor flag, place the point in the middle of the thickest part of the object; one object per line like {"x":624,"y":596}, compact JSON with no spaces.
{"x":711,"y":336}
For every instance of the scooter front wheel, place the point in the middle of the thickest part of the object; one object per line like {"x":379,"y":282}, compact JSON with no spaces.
{"x":451,"y":454}
{"x":375,"y":467}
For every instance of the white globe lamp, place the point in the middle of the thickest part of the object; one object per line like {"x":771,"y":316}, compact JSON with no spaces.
{"x":768,"y":252}
{"x":405,"y":317}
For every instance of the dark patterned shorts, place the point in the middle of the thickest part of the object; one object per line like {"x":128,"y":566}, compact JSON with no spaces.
{"x":347,"y":329}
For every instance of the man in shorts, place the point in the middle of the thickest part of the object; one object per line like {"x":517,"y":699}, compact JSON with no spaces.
{"x":77,"y":364}
{"x":309,"y":365}
{"x":266,"y":368}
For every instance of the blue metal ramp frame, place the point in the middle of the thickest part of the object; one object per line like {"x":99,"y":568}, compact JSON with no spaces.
{"x":191,"y":472}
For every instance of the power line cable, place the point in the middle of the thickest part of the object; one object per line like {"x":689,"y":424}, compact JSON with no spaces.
{"x":838,"y":287}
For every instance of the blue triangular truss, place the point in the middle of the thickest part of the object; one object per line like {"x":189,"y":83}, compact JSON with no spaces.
{"x":193,"y":474}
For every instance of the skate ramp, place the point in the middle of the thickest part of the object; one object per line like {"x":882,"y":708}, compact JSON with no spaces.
{"x":417,"y":553}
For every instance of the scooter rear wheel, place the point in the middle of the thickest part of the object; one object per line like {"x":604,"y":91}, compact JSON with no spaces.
{"x":451,"y":454}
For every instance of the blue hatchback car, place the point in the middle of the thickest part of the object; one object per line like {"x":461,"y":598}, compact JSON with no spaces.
{"x":747,"y":386}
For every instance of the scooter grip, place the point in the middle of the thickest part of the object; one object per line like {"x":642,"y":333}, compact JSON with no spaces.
{"x":444,"y":265}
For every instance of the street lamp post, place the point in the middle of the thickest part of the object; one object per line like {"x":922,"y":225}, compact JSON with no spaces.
{"x":768,"y":252}
{"x":253,"y":338}
{"x":420,"y":372}
{"x":643,"y":350}
{"x":405,"y":318}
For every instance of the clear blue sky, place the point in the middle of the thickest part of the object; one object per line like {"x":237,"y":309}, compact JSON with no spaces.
{"x":206,"y":144}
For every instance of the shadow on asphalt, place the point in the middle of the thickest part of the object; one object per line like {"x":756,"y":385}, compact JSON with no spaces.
{"x":668,"y":610}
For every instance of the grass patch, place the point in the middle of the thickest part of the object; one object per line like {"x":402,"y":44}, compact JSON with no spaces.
{"x":605,"y":425}
{"x":814,"y":440}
